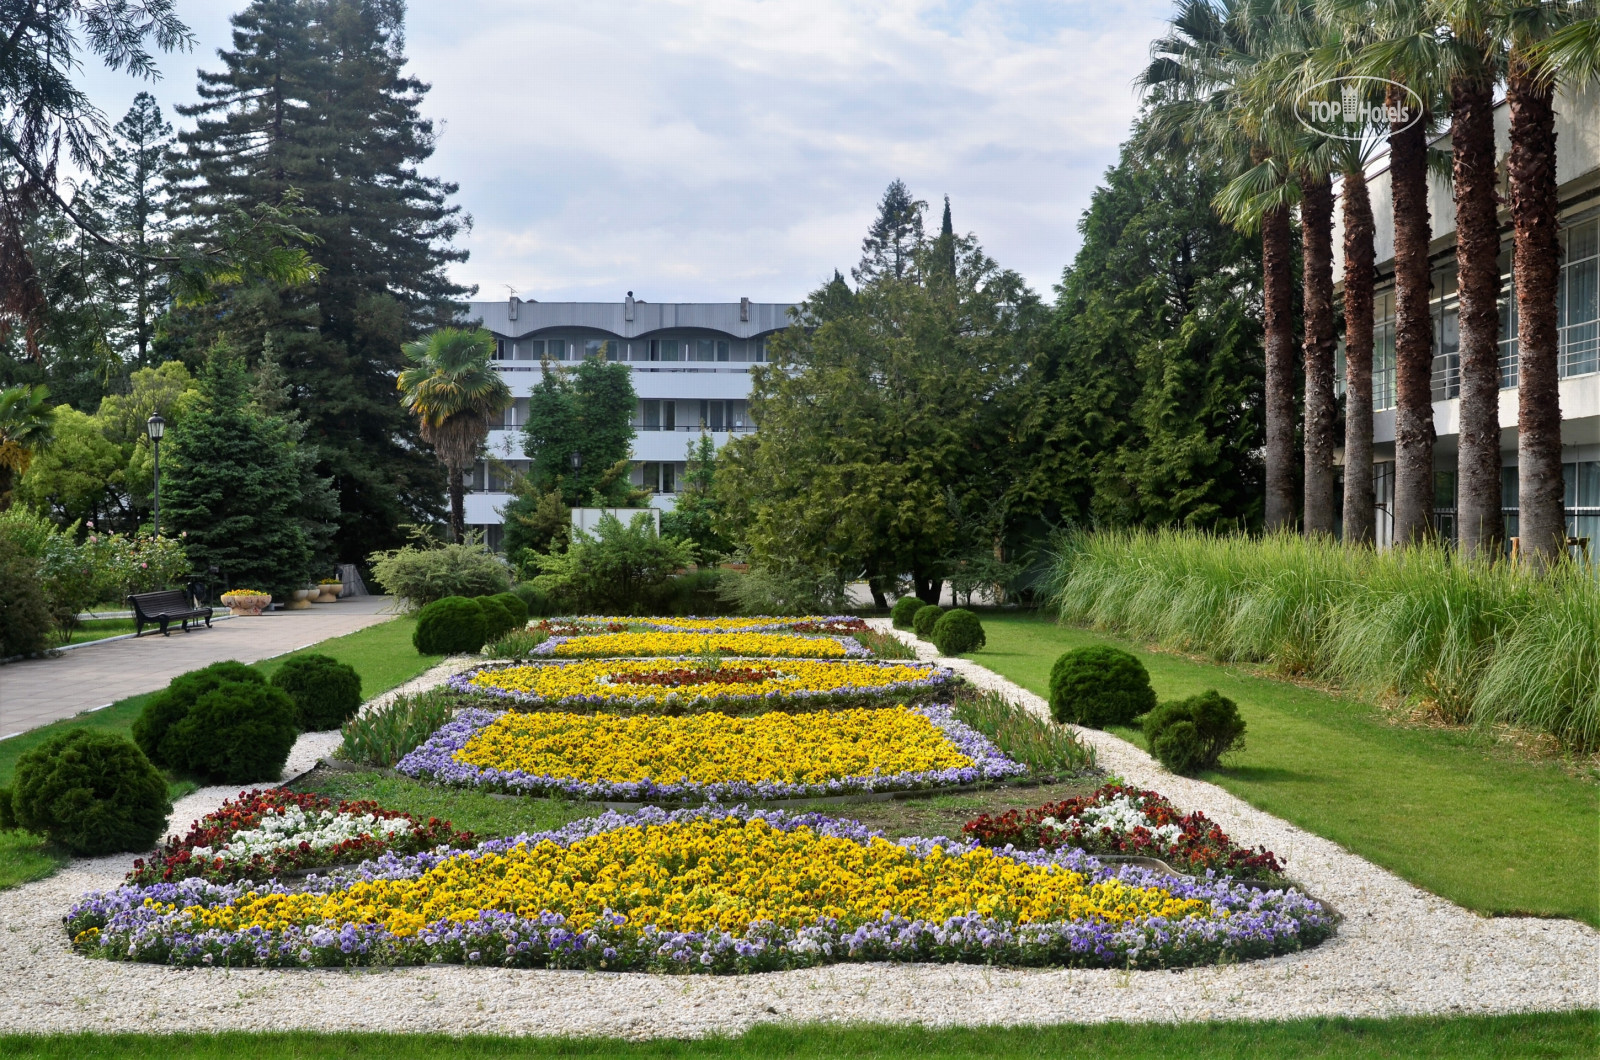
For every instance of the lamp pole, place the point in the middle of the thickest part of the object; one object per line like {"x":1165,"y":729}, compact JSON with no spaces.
{"x":156,"y":426}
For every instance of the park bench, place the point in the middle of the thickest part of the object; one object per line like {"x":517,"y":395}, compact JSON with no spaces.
{"x":163,"y":607}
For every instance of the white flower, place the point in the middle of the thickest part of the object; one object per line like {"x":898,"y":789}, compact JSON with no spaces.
{"x":286,"y":829}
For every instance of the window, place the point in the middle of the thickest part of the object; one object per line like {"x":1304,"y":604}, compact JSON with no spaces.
{"x":616,"y":351}
{"x":1383,"y":496}
{"x":722,"y":349}
{"x":557,"y":349}
{"x":1578,"y":299}
{"x":669,"y":478}
{"x":661,"y":477}
{"x":593,"y":349}
{"x":652,"y":415}
{"x":1509,"y":491}
{"x":529,"y":349}
{"x":713,"y":415}
{"x":670,"y":349}
{"x":669,"y":415}
{"x":1383,"y":352}
{"x":1446,"y":338}
{"x":1508,"y":324}
{"x":1444,"y":504}
{"x":1583,"y":502}
{"x":705,"y":350}
{"x":499,"y":349}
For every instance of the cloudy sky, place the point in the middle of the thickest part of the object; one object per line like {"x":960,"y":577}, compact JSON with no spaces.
{"x":706,"y":150}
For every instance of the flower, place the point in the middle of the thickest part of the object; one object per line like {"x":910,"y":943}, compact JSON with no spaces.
{"x":788,"y":645}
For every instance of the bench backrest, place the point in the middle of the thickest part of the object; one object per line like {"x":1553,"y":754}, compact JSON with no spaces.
{"x":160,"y":603}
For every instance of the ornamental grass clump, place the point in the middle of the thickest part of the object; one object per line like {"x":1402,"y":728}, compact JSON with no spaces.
{"x":1047,"y":749}
{"x":452,"y":626}
{"x":1191,"y":735}
{"x":92,"y":792}
{"x":884,"y":645}
{"x":922,"y":622}
{"x":1099,"y":686}
{"x":957,"y":632}
{"x":904,"y":610}
{"x":518,"y":644}
{"x":381,"y":736}
{"x":326,"y":692}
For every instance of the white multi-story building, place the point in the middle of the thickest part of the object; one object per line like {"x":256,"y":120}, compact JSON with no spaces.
{"x":1578,"y":312}
{"x":691,"y":372}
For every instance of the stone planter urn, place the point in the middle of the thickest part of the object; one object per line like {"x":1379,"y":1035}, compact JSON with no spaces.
{"x":246,"y":603}
{"x":300,"y":600}
{"x":329,"y":592}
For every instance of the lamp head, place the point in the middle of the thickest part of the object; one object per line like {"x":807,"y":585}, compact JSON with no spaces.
{"x":156,"y":426}
{"x":577,"y":460}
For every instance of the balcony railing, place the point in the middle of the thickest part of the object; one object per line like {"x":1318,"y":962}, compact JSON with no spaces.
{"x":698,"y":427}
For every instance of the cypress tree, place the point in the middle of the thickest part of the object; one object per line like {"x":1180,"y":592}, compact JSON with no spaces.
{"x":312,"y":96}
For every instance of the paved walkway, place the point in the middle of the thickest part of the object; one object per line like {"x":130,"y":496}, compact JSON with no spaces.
{"x":39,"y":691}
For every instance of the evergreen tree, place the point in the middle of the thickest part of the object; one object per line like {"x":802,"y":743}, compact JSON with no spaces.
{"x":894,"y":238}
{"x":944,"y":248}
{"x":587,"y":411}
{"x":312,"y":96}
{"x":233,"y":486}
{"x":696,"y":513}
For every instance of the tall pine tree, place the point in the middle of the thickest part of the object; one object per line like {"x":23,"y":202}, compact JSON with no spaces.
{"x":312,"y":96}
{"x":892,"y":242}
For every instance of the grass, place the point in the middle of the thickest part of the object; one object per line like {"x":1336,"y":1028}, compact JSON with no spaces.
{"x":475,"y":811}
{"x":1566,"y":1034}
{"x":1487,"y":831}
{"x":99,"y":629}
{"x":381,"y":654}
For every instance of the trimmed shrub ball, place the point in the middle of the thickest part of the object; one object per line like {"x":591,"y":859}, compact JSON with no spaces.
{"x":922,"y":622}
{"x":171,"y":705}
{"x":513,"y":603}
{"x":452,"y":626}
{"x":1190,"y":735}
{"x":326,"y":692}
{"x":92,"y":792}
{"x":497,"y":618}
{"x":958,"y":631}
{"x":237,"y":733}
{"x":904,"y":610}
{"x":1099,"y":686}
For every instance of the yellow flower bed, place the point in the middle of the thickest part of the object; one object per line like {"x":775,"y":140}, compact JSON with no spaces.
{"x":720,"y":873}
{"x":767,"y":645}
{"x":591,"y":681}
{"x":713,"y":748}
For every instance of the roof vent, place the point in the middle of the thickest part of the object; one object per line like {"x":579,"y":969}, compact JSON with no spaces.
{"x":744,"y":309}
{"x":627,"y":307}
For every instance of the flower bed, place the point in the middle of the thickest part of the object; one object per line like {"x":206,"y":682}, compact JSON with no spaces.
{"x":262,"y":834}
{"x":711,"y":890}
{"x":832,"y":624}
{"x":1123,"y":820}
{"x":684,"y":686}
{"x":757,"y":645}
{"x":769,"y":756}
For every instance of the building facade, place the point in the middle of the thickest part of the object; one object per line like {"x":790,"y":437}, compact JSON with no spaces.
{"x":1578,"y":309}
{"x":691,"y":372}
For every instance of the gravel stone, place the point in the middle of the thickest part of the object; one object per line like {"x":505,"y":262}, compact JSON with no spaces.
{"x":1400,"y":951}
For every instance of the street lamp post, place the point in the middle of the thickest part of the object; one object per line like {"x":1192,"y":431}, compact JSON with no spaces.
{"x":577,"y":460}
{"x":156,"y":426}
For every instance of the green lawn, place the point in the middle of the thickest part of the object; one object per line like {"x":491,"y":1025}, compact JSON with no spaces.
{"x":381,"y":654}
{"x":473,"y":811}
{"x":1473,"y":824}
{"x":1541,"y":1035}
{"x":99,"y":629}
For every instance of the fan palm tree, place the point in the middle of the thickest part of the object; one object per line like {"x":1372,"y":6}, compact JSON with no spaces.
{"x":1195,"y":84}
{"x":454,"y":392}
{"x":27,"y":426}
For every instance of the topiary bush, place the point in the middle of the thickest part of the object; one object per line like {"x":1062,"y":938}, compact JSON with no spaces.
{"x":237,"y":733}
{"x":92,"y":792}
{"x":326,"y":692}
{"x":1190,"y":735}
{"x":497,"y":618}
{"x":1099,"y":686}
{"x":958,"y":631}
{"x":513,"y":603}
{"x":452,"y":626}
{"x":171,"y":705}
{"x":904,"y":610}
{"x":922,"y":622}
{"x":25,"y":621}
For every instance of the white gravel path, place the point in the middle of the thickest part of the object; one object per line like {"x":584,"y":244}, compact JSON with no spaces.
{"x":1400,"y":951}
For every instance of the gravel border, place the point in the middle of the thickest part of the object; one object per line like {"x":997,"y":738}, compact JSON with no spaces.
{"x":1401,"y":951}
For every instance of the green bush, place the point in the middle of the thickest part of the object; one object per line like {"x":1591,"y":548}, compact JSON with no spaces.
{"x":497,"y":618}
{"x":513,"y":604}
{"x":1193,"y":734}
{"x":421,"y":575}
{"x":904,"y":610}
{"x":922,"y":622}
{"x":452,"y":626}
{"x":958,"y":631}
{"x":618,"y":570}
{"x":93,"y":792}
{"x":536,"y":600}
{"x":1099,"y":686}
{"x":325,"y":691}
{"x":770,"y":586}
{"x":25,"y":622}
{"x":695,"y":592}
{"x":173,"y":703}
{"x":381,"y":736}
{"x":237,"y":733}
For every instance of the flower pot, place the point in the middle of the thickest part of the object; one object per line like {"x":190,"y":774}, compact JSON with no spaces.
{"x":240,"y":604}
{"x":300,"y":600}
{"x":329,"y":593}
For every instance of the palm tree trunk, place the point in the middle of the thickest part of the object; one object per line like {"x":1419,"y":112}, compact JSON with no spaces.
{"x":1413,"y":332}
{"x":1536,"y":256}
{"x":1477,"y":252}
{"x":1277,"y":283}
{"x":1316,"y":225}
{"x":1359,"y":500}
{"x":458,"y":505}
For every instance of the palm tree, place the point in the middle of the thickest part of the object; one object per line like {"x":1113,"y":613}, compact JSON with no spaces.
{"x":1549,"y":43}
{"x":1196,"y":85}
{"x":1359,"y":258}
{"x":454,"y":392}
{"x":27,"y":425}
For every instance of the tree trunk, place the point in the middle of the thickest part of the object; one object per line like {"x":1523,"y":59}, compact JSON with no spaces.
{"x":1277,"y":281}
{"x":1541,"y":522}
{"x":7,"y":477}
{"x":1316,"y":226}
{"x":1359,"y":500}
{"x":1413,"y":332}
{"x":458,"y":505}
{"x":927,"y":589}
{"x":1477,"y":252}
{"x":880,"y":599}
